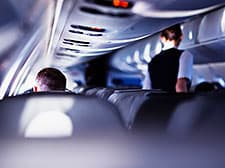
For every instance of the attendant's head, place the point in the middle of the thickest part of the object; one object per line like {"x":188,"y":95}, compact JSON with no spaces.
{"x":172,"y":35}
{"x":50,"y":79}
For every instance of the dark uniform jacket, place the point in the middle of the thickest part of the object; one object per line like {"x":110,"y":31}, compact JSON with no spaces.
{"x":163,"y":70}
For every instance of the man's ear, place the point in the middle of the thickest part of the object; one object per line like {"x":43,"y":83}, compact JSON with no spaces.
{"x":35,"y":89}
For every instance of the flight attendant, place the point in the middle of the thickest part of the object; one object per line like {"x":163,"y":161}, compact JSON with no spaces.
{"x":171,"y":69}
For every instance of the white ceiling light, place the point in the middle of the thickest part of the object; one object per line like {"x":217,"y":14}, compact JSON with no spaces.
{"x":146,"y":54}
{"x":158,"y":48}
{"x":129,"y":59}
{"x":142,"y":67}
{"x":137,"y":56}
{"x":223,"y":22}
{"x":190,"y":35}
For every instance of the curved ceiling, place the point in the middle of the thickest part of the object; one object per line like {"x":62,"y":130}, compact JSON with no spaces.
{"x":89,"y":28}
{"x":93,"y":27}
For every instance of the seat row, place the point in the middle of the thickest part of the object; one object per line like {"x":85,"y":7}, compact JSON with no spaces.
{"x":68,"y":114}
{"x":177,"y":114}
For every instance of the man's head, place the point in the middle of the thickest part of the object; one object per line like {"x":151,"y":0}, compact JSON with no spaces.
{"x":172,"y":34}
{"x":50,"y":79}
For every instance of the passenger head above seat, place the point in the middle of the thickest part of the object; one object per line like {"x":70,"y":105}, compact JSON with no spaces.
{"x":50,"y":79}
{"x":205,"y":87}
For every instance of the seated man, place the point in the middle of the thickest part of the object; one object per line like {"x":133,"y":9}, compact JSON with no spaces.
{"x":50,"y":79}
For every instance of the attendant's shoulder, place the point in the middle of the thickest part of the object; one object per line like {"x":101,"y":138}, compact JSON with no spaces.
{"x":187,"y":53}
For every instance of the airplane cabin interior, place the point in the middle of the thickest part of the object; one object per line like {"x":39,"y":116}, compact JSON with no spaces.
{"x":105,"y":117}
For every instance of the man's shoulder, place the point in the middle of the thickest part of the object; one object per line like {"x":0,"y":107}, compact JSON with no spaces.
{"x":28,"y":91}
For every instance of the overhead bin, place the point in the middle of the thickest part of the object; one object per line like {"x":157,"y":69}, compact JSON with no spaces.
{"x":212,"y":26}
{"x":190,"y":32}
{"x":204,"y":29}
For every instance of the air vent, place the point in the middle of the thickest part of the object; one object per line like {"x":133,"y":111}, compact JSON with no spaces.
{"x":112,"y":3}
{"x":99,"y":12}
{"x":76,"y":32}
{"x":87,"y":28}
{"x":88,"y":34}
{"x":64,"y":42}
{"x":64,"y":55}
{"x":76,"y":41}
{"x":69,"y":49}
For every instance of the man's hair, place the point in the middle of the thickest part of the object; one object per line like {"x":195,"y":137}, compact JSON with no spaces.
{"x":205,"y":87}
{"x":173,"y":33}
{"x":51,"y":79}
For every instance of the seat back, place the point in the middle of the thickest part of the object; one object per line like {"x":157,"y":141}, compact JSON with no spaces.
{"x":128,"y":102}
{"x":104,"y":93}
{"x":57,"y":114}
{"x":205,"y":114}
{"x":156,"y":110}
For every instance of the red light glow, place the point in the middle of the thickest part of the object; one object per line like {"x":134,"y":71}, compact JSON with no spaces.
{"x":96,"y":28}
{"x":120,"y":3}
{"x":124,"y":4}
{"x":116,"y":3}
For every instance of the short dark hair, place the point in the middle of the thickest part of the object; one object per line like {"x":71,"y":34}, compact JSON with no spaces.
{"x":172,"y":33}
{"x":205,"y":87}
{"x":51,"y":79}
